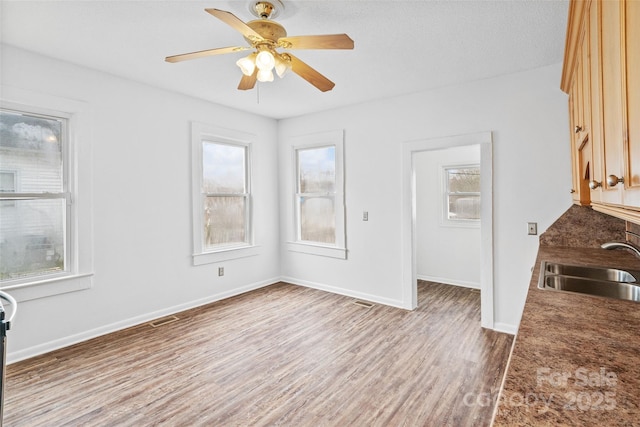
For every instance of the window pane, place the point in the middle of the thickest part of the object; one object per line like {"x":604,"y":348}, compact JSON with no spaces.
{"x":32,"y":238}
{"x":465,"y":180}
{"x":317,"y":170}
{"x":224,"y":220}
{"x":32,"y":147}
{"x":223,"y":168}
{"x":464,"y":207}
{"x":317,"y":219}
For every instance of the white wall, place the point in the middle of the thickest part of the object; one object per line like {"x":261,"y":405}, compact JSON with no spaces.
{"x":142,"y":207}
{"x":527,"y":114}
{"x":142,"y":246}
{"x":445,"y":253}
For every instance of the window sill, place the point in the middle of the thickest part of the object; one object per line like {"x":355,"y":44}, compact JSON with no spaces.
{"x":226,"y":254}
{"x":49,"y":287}
{"x":461,"y":223}
{"x":311,"y":249}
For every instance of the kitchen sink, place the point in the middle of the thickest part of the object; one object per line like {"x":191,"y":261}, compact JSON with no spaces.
{"x":598,"y":281}
{"x":596,"y":273}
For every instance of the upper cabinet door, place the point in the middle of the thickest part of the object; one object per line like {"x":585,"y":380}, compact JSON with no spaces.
{"x":611,"y":84}
{"x":592,"y":39}
{"x":631,"y":46}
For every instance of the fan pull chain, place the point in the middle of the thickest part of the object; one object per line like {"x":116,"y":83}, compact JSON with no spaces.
{"x":258,"y":93}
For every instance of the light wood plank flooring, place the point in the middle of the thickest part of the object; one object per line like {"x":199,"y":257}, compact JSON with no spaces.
{"x":281,"y":355}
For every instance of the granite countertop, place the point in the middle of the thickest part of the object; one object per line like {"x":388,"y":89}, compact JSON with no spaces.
{"x":576,"y":358}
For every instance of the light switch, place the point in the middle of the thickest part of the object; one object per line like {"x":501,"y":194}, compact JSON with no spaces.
{"x":365,"y":216}
{"x":532,"y":228}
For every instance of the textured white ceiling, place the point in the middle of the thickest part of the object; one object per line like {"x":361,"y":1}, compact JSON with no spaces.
{"x":400,"y":46}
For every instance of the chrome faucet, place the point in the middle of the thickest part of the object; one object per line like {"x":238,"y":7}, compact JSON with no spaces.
{"x":621,"y":245}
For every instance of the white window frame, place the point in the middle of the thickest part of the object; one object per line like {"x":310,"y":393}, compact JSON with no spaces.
{"x":202,"y":132}
{"x":445,"y":220}
{"x":77,"y":152}
{"x":294,"y":244}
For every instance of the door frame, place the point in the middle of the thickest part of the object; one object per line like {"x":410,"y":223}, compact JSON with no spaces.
{"x":408,"y":221}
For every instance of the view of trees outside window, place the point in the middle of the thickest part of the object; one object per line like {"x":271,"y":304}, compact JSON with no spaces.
{"x":225,"y":192}
{"x":33,"y":196}
{"x":316,"y":194}
{"x":463,"y":193}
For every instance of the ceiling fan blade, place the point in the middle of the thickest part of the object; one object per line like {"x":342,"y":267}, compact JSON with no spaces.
{"x":310,"y":75}
{"x":248,"y":82}
{"x":203,"y":53}
{"x":328,"y":41}
{"x":234,"y":22}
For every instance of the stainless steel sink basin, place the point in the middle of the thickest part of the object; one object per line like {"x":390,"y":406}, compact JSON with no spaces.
{"x":619,"y":290}
{"x":596,"y":273}
{"x":599,"y":281}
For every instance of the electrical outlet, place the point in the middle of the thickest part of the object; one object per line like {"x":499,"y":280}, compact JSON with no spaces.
{"x":365,"y":216}
{"x":220,"y":271}
{"x":532,"y":228}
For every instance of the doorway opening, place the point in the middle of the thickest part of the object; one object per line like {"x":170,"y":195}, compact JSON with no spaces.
{"x":409,"y":218}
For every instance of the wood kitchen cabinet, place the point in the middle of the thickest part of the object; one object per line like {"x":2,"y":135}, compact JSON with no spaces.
{"x":601,"y":74}
{"x":580,"y":123}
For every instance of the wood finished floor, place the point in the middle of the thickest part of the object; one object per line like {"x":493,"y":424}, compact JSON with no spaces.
{"x":281,"y":355}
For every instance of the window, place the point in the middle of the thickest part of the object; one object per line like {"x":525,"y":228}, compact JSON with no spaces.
{"x":35,"y":221}
{"x":315,"y":198}
{"x":462,"y":193}
{"x":46,"y":197}
{"x":225,"y":195}
{"x":319,"y":195}
{"x":222,"y":194}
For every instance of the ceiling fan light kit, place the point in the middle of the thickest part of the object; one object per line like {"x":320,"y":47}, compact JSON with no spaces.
{"x":265,"y":37}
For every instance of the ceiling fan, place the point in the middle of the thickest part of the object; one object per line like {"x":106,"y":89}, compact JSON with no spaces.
{"x":265,"y":37}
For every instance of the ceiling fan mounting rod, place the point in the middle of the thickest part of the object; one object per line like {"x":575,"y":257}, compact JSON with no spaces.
{"x":263,"y":9}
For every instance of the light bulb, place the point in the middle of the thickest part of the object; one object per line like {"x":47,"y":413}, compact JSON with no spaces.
{"x":247,"y":64}
{"x":265,"y":75}
{"x":265,"y":60}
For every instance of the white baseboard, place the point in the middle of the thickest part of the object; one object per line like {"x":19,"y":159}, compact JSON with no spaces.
{"x":346,"y":292}
{"x":26,"y":353}
{"x":29,"y":352}
{"x":455,"y":282}
{"x":506,"y":328}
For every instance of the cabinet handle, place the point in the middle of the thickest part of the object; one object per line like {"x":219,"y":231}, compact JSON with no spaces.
{"x":572,"y":191}
{"x":578,"y":129}
{"x":613,"y":180}
{"x":593,"y":184}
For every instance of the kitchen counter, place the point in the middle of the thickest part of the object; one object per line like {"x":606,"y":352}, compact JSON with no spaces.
{"x":576,"y":358}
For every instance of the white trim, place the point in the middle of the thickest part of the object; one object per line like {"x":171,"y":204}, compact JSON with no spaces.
{"x":315,"y":249}
{"x":49,"y":286}
{"x":507,"y":328}
{"x":133,"y":321}
{"x":225,"y":255}
{"x":408,"y":219}
{"x":79,"y":176}
{"x":453,"y":282}
{"x":205,"y":132}
{"x":344,"y":292}
{"x":318,"y":140}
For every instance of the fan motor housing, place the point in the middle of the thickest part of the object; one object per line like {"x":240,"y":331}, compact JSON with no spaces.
{"x":268,"y":29}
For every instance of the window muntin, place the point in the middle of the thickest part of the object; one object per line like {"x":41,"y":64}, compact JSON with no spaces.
{"x":315,"y":195}
{"x":225,"y":195}
{"x":34,"y":214}
{"x":462,"y":193}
